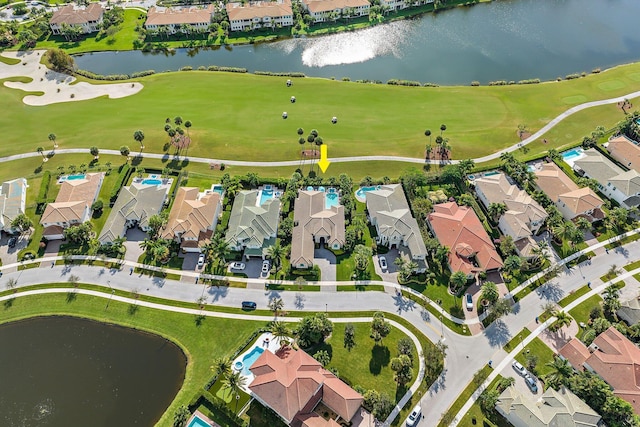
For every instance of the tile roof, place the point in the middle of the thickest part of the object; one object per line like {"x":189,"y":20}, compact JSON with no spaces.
{"x":458,"y":227}
{"x":575,"y":352}
{"x":71,"y":14}
{"x":258,"y":9}
{"x":74,"y":199}
{"x":12,"y":201}
{"x":389,"y":208}
{"x":179,"y":15}
{"x":629,"y":311}
{"x":137,"y":202}
{"x":251,"y":225}
{"x":554,"y":408}
{"x":616,"y":360}
{"x":625,"y":151}
{"x":64,"y":212}
{"x":192,"y":216}
{"x":312,"y":220}
{"x":288,"y":383}
{"x":598,"y":167}
{"x":330,"y":5}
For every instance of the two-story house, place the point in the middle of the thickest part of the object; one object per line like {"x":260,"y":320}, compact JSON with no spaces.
{"x":325,"y":10}
{"x":174,"y":19}
{"x":259,"y":14}
{"x":88,"y":18}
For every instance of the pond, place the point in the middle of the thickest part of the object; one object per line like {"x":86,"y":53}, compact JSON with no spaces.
{"x":66,"y":371}
{"x":501,"y":40}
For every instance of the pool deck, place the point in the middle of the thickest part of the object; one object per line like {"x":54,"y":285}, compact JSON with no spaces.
{"x":202,"y":418}
{"x":265,"y":341}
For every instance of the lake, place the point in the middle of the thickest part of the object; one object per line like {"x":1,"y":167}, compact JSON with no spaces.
{"x":66,"y":371}
{"x":501,"y":40}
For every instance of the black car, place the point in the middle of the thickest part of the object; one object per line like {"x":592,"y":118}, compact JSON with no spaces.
{"x":248,"y":305}
{"x":12,"y":242}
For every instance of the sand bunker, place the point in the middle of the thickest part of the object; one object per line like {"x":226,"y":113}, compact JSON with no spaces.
{"x":56,"y":87}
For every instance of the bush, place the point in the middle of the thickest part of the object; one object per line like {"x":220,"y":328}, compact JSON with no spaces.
{"x":217,"y":407}
{"x":475,"y":83}
{"x":186,"y":68}
{"x":125,"y":171}
{"x":44,"y":187}
{"x":498,"y":83}
{"x":114,"y":77}
{"x":572,"y":76}
{"x":283,"y":74}
{"x":528,"y":81}
{"x":396,"y":82}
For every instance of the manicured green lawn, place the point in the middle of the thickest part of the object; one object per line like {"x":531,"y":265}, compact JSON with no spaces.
{"x":480,"y":417}
{"x":517,"y":340}
{"x":573,"y":296}
{"x":239,"y":116}
{"x":463,"y":397}
{"x":581,"y":312}
{"x":213,"y":338}
{"x":540,"y":349}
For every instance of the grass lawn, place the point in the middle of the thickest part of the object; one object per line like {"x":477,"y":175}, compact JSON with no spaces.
{"x":632,"y":266}
{"x":539,"y":348}
{"x":476,"y":413}
{"x":474,"y":115}
{"x":464,"y":396}
{"x":213,"y":338}
{"x":581,"y":312}
{"x":573,"y":296}
{"x":517,"y":340}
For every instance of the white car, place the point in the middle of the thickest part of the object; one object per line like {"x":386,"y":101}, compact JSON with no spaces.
{"x":521,"y":370}
{"x":414,"y":417}
{"x":201,"y":260}
{"x":383,"y":263}
{"x":266,"y":266}
{"x":237,"y":266}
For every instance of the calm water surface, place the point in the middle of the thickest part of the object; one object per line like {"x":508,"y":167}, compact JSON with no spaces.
{"x":70,"y":372}
{"x":502,"y":40}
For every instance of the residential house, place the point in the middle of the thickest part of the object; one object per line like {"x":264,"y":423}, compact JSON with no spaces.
{"x":614,"y":182}
{"x":402,"y":4}
{"x":612,"y":357}
{"x":471,"y":250}
{"x":13,"y":195}
{"x":174,"y":19}
{"x":325,"y":10}
{"x":315,"y":221}
{"x":553,"y":408}
{"x":134,"y":206}
{"x":389,"y":212}
{"x":625,"y":151}
{"x":72,"y":205}
{"x":193,"y":218}
{"x":253,"y":225}
{"x":88,"y":18}
{"x":629,"y":311}
{"x":259,"y":14}
{"x":524,"y":216}
{"x":572,"y":201}
{"x":297,"y":388}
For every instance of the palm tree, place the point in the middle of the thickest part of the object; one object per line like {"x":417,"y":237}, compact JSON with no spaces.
{"x":276,"y":305}
{"x":583,"y":224}
{"x":178,"y":120}
{"x":276,"y":252}
{"x":94,"y":152}
{"x":124,"y":151}
{"x":496,"y":210}
{"x":560,"y":373}
{"x":281,"y":332}
{"x":221,"y":366}
{"x":457,"y":280}
{"x":428,"y":133}
{"x":139,"y":136}
{"x":489,"y":292}
{"x":188,"y":124}
{"x":443,"y":127}
{"x":300,"y":131}
{"x":41,"y":151}
{"x":562,"y":320}
{"x":235,"y":382}
{"x":52,"y":138}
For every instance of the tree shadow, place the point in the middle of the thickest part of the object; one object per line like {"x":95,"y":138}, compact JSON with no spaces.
{"x":135,"y":161}
{"x":71,"y":297}
{"x":217,"y":292}
{"x":199,"y":319}
{"x":133,"y":309}
{"x":403,"y":304}
{"x":9,"y":303}
{"x":550,"y":291}
{"x":299,"y":301}
{"x":497,"y":333}
{"x":380,"y":357}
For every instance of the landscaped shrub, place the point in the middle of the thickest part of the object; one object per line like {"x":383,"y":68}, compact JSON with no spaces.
{"x":186,"y":68}
{"x":528,"y":81}
{"x":283,"y":74}
{"x":44,"y":187}
{"x":123,"y":175}
{"x":396,"y":82}
{"x":113,"y":77}
{"x":498,"y":83}
{"x":475,"y":83}
{"x":572,"y":76}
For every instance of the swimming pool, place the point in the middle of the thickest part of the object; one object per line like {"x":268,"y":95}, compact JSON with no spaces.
{"x":265,"y":195}
{"x":572,"y":154}
{"x":361,"y":192}
{"x":72,"y":177}
{"x":330,"y":200}
{"x":218,"y":189}
{"x":196,"y":421}
{"x":491,"y":173}
{"x":152,"y":181}
{"x":249,"y":359}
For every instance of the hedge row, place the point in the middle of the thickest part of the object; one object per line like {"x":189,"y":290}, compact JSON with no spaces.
{"x":283,"y":74}
{"x":125,"y":171}
{"x":112,"y":77}
{"x":44,"y":187}
{"x":397,"y":82}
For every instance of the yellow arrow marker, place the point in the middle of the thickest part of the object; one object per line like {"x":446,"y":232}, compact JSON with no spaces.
{"x":323,"y":162}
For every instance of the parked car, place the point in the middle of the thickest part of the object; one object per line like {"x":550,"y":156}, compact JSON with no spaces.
{"x":521,"y":370}
{"x":248,"y":305}
{"x":414,"y":417}
{"x":532,"y":383}
{"x":12,"y":242}
{"x":200,"y":260}
{"x":468,"y":301}
{"x":383,"y":263}
{"x":266,"y":266}
{"x":237,"y":266}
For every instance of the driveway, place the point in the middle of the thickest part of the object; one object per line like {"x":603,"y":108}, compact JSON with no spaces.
{"x":10,"y":255}
{"x":391,"y":272}
{"x":253,"y":267}
{"x":519,"y":384}
{"x":134,"y":237}
{"x":190,"y":262}
{"x":326,"y":261}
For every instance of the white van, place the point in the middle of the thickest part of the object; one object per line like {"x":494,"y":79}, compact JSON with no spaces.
{"x":414,"y":417}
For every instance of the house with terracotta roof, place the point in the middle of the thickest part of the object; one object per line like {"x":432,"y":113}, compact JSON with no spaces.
{"x":323,"y":10}
{"x":613,"y":358}
{"x":471,"y":250}
{"x":296,"y":387}
{"x":193,"y":218}
{"x":171,"y":19}
{"x":253,"y":225}
{"x":72,"y":205}
{"x":613,"y":181}
{"x":624,"y":150}
{"x":524,"y":216}
{"x":251,"y":15}
{"x":389,"y":212}
{"x":572,"y":201}
{"x":13,"y":195}
{"x":315,"y":221}
{"x":133,"y":208}
{"x":552,"y":409}
{"x":88,"y":18}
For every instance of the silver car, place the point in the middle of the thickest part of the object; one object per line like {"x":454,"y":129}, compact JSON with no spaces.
{"x":521,"y":370}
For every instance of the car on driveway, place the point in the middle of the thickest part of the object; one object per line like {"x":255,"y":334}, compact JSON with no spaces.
{"x":414,"y":417}
{"x":532,"y":383}
{"x":468,"y":301}
{"x":237,"y":266}
{"x":266,"y":266}
{"x":383,"y":263}
{"x":12,"y":242}
{"x":521,"y":370}
{"x":200,"y":260}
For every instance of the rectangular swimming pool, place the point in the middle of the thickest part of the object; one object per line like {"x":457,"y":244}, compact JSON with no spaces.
{"x":572,"y":154}
{"x":265,"y":195}
{"x":196,"y":421}
{"x":330,"y":200}
{"x":152,"y":181}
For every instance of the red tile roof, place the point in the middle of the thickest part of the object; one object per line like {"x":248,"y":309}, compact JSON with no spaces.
{"x":459,"y":229}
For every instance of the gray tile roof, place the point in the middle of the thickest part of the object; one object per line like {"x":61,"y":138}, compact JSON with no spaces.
{"x":12,"y":199}
{"x":603,"y":170}
{"x":250,"y":225}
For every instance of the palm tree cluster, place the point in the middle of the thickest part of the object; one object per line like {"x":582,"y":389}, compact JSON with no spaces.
{"x":517,"y":170}
{"x":217,"y":251}
{"x":177,"y":136}
{"x":443,"y":149}
{"x":159,"y":250}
